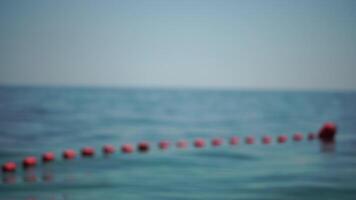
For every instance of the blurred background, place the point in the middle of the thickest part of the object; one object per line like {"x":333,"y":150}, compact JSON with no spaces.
{"x":210,"y":44}
{"x":89,"y":73}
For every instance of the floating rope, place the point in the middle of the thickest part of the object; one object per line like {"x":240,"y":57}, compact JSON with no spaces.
{"x":326,"y":133}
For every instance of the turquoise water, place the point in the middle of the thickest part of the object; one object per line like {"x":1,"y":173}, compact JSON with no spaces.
{"x":34,"y":120}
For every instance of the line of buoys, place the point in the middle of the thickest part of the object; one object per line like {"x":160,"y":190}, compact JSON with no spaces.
{"x":326,"y":133}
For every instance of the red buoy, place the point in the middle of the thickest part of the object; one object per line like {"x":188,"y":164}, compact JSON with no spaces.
{"x":29,"y":161}
{"x":143,"y":147}
{"x":127,"y":148}
{"x":199,"y":143}
{"x":234,"y":140}
{"x":48,"y":157}
{"x":297,"y":137}
{"x":311,"y":136}
{"x":250,"y":140}
{"x":216,"y":142}
{"x":182,"y":144}
{"x":108,"y":149}
{"x":88,"y":151}
{"x":69,"y":154}
{"x":282,"y":139}
{"x":328,"y":131}
{"x":9,"y":167}
{"x":164,"y":144}
{"x":266,"y":139}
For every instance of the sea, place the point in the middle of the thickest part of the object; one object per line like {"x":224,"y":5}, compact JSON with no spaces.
{"x":36,"y":119}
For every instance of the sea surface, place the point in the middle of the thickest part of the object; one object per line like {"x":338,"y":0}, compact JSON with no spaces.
{"x":38,"y":119}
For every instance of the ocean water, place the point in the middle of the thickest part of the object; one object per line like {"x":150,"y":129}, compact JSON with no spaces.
{"x":38,"y":119}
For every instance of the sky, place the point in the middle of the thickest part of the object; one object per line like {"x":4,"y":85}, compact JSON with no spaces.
{"x":265,"y":44}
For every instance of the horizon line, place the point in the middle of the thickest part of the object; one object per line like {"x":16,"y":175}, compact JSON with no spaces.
{"x":176,"y":87}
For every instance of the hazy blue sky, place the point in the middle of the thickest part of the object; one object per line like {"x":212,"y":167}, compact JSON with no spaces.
{"x":235,"y":44}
